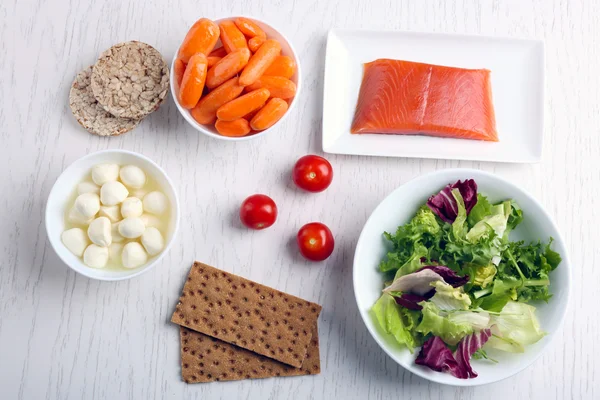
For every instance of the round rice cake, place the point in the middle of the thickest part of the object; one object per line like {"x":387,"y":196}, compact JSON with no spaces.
{"x":130,"y":80}
{"x":91,"y":115}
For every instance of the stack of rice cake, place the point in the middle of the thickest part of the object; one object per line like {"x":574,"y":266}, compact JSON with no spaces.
{"x":128,"y":82}
{"x":232,"y":329}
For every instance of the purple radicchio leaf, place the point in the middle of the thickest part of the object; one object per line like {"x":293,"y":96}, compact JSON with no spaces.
{"x":411,"y":301}
{"x":449,"y":276}
{"x":438,"y":357}
{"x":444,"y":203}
{"x":467,"y":347}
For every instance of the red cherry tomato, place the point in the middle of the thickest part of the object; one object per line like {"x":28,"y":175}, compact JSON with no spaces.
{"x":313,"y":173}
{"x":258,"y":212}
{"x":315,"y":241}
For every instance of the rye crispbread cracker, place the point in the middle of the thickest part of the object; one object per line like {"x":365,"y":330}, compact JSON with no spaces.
{"x":91,"y":115}
{"x":246,"y":314}
{"x":207,"y":359}
{"x":130,"y":80}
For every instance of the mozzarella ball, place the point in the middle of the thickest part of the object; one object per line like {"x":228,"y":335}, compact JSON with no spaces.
{"x":99,"y":232}
{"x":88,"y":187}
{"x":95,"y":256}
{"x":75,"y":240}
{"x":139,"y":193}
{"x":114,"y":233}
{"x":111,"y":212}
{"x":132,"y":176}
{"x":132,"y":207}
{"x":151,"y":221}
{"x":153,"y":241}
{"x":114,"y":253}
{"x":103,"y":173}
{"x":113,"y":193}
{"x":133,"y":255}
{"x":87,"y":204}
{"x":75,"y":217}
{"x":131,"y":227}
{"x":156,"y":203}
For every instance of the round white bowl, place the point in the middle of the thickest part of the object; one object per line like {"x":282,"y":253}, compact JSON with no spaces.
{"x":286,"y":50}
{"x":398,"y":208}
{"x":62,"y":193}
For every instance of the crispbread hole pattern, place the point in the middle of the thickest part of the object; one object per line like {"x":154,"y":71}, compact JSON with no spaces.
{"x":206,"y":359}
{"x":244,"y":304}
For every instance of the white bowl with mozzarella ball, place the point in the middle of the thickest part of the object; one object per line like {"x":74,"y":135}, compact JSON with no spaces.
{"x":61,"y":196}
{"x":398,"y":208}
{"x":287,"y":49}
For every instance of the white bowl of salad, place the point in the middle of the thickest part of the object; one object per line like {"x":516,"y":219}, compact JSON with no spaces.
{"x":469,"y":282}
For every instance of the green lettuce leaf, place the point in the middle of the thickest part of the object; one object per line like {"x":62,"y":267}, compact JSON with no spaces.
{"x":461,"y":255}
{"x":515,"y":217}
{"x":484,"y":275}
{"x":397,"y":321}
{"x":435,"y":323}
{"x":394,"y":261}
{"x":494,"y":223}
{"x":514,"y":328}
{"x":503,"y":291}
{"x":551,"y":257}
{"x":425,"y":222}
{"x":531,"y":264}
{"x":478,"y":320}
{"x":522,"y":275}
{"x":414,"y":262}
{"x":482,"y":209}
{"x":411,"y":242}
{"x":459,"y":226}
{"x":448,"y":298}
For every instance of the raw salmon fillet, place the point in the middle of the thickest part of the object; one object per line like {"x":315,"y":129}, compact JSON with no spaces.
{"x":410,"y":98}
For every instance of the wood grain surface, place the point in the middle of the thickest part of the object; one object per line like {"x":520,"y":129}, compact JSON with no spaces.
{"x":63,"y":336}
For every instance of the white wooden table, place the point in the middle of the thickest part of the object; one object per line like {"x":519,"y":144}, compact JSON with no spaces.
{"x":65,"y":336}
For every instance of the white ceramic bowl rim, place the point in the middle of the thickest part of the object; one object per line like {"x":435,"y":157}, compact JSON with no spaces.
{"x":199,"y":127}
{"x":441,"y":377}
{"x":57,"y":246}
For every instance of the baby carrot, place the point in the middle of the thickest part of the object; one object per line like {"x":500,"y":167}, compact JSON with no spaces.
{"x":205,"y":111}
{"x":249,"y":27}
{"x":278,"y":86}
{"x":282,"y":66}
{"x":220,"y":52}
{"x":251,"y":114}
{"x":212,"y":60}
{"x":260,"y":61}
{"x":232,"y":37}
{"x":192,"y":83}
{"x":178,"y":70}
{"x":201,"y":38}
{"x":243,"y":105}
{"x":255,"y":43}
{"x":269,"y":114}
{"x":236,"y":128}
{"x":227,"y":67}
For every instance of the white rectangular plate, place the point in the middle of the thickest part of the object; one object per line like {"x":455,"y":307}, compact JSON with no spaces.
{"x":517,"y":73}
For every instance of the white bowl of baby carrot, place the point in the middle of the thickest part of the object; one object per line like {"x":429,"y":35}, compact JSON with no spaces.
{"x":235,"y":78}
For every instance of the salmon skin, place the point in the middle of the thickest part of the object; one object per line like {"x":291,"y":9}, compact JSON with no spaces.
{"x":410,"y":98}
